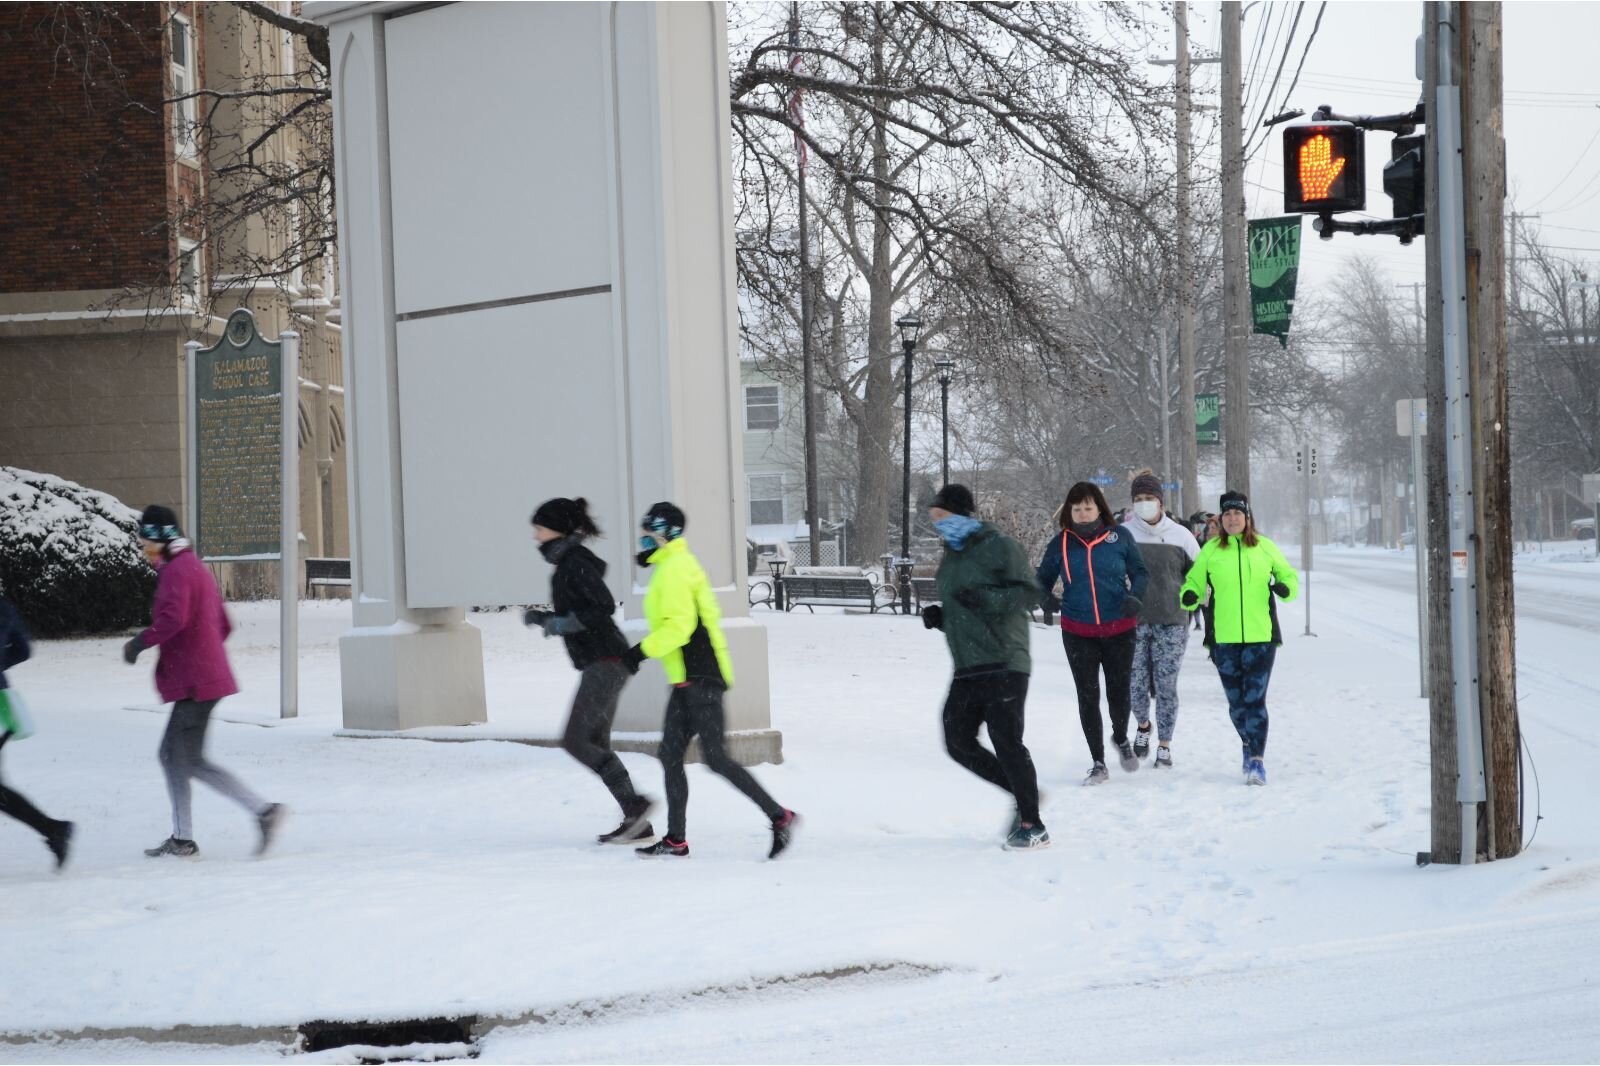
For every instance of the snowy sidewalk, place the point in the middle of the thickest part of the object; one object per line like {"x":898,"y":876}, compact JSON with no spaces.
{"x":421,"y":880}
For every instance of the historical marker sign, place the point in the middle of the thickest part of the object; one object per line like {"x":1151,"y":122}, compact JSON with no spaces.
{"x":238,"y":427}
{"x":244,"y":445}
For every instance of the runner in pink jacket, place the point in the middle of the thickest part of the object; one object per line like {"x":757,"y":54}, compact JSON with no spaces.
{"x":189,"y":625}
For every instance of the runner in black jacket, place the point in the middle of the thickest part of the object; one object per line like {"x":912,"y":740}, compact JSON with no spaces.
{"x":583,"y":615}
{"x":14,"y":649}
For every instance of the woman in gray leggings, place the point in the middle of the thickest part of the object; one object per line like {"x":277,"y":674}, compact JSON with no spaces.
{"x":189,"y":625}
{"x":582,"y":616}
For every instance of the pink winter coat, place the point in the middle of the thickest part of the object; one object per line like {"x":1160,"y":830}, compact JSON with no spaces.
{"x":189,"y":625}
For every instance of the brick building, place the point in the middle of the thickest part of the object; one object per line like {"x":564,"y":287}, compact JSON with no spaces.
{"x":99,"y":289}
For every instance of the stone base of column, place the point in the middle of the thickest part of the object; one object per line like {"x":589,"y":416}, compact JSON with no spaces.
{"x":748,"y":706}
{"x":405,"y":675}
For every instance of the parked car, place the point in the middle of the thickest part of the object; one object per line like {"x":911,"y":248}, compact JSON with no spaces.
{"x":1583,"y":529}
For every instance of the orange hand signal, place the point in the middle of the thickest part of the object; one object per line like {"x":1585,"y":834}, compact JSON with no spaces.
{"x":1318,"y":168}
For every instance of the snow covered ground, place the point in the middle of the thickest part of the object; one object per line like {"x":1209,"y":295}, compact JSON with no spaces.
{"x":1178,"y":917}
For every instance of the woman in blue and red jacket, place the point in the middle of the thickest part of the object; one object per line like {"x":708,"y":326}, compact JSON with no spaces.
{"x":1102,"y":579}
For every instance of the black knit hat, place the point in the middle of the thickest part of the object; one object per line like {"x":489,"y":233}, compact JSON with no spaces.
{"x":957,"y":499}
{"x":1234,"y":501}
{"x":1146,"y":485}
{"x":666,"y":519}
{"x":559,"y":515}
{"x":159,"y":524}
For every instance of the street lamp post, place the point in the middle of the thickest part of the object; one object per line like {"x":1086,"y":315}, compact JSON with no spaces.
{"x":910,"y":327}
{"x":945,"y":366}
{"x":777,"y":567}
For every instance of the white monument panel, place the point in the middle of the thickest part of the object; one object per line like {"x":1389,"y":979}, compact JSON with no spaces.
{"x":500,"y":409}
{"x":499,"y":168}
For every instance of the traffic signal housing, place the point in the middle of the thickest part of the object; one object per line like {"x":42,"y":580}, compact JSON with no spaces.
{"x":1404,"y":176}
{"x":1324,"y":168}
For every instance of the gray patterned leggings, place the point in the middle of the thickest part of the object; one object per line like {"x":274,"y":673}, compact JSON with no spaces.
{"x":1157,"y":658}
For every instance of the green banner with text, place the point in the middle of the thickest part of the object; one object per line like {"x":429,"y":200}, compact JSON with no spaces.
{"x":1207,"y":419}
{"x":1274,"y":267}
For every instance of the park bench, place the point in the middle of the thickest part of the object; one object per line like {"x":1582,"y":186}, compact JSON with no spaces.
{"x":836,"y":592}
{"x":327,"y":573}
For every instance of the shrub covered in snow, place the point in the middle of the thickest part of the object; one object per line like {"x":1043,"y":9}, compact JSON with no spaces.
{"x":69,"y":557}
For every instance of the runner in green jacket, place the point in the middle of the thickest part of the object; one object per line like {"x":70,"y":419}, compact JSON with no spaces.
{"x":985,"y":591}
{"x":1244,"y":571}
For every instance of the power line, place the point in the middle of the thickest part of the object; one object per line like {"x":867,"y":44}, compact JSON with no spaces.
{"x":1255,"y":53}
{"x":1571,"y":172}
{"x":1339,"y":78}
{"x":1302,"y":64}
{"x":1283,"y":60}
{"x":1575,"y":229}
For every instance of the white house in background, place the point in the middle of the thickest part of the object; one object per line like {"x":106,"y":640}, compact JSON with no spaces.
{"x":775,"y":469}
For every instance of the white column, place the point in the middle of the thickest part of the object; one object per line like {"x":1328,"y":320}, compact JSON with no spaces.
{"x":550,"y":313}
{"x":400,"y":667}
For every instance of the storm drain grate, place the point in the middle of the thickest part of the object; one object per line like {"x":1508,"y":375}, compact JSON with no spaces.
{"x":424,"y":1039}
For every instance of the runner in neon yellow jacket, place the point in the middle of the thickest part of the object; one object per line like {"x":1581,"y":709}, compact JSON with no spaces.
{"x":685,"y":630}
{"x":1244,"y":571}
{"x":686,"y":636}
{"x":1244,"y":577}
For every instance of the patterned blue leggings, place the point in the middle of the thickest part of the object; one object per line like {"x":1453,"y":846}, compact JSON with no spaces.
{"x":1245,"y":671}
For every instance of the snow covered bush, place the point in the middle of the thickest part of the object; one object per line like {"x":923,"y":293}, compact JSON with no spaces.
{"x":69,"y":557}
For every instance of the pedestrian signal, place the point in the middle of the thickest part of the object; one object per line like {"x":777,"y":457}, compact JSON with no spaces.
{"x":1405,"y":175}
{"x":1324,"y":168}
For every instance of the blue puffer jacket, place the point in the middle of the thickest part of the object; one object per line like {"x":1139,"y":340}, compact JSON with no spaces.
{"x":1098,"y":577}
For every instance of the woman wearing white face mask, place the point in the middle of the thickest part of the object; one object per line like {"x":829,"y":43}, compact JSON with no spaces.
{"x":1168,"y":550}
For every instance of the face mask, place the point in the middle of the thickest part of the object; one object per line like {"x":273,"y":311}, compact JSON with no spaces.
{"x":955,"y":529}
{"x":648,"y":546}
{"x":1149,"y":510}
{"x":1085,"y":530}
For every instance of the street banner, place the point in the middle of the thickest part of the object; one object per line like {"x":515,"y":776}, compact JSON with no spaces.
{"x":1274,"y":268}
{"x":1207,"y":418}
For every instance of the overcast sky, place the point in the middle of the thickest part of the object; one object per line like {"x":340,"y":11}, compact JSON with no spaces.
{"x":1363,"y":60}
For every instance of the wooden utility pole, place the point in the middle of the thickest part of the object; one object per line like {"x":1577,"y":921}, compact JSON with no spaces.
{"x":1235,"y":262}
{"x":1462,"y":48}
{"x":1188,"y":451}
{"x":1484,"y":162}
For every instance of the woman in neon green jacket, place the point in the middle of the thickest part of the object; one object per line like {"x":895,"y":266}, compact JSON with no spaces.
{"x":1244,"y":571}
{"x":686,"y":636}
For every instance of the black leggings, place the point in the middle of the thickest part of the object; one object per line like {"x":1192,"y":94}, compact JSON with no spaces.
{"x":17,"y":806}
{"x":1088,"y":656}
{"x":588,"y":734}
{"x":995,"y":700}
{"x":694,"y":710}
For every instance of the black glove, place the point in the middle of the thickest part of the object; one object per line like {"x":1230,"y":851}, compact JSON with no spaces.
{"x":933,"y":617}
{"x":1190,"y":599}
{"x":969,"y":599}
{"x":633,"y":658}
{"x":131,"y":650}
{"x":535,"y":616}
{"x":1131,"y":606}
{"x":1279,"y":589}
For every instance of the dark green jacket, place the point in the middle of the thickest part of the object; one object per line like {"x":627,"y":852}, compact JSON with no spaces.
{"x":996,"y":569}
